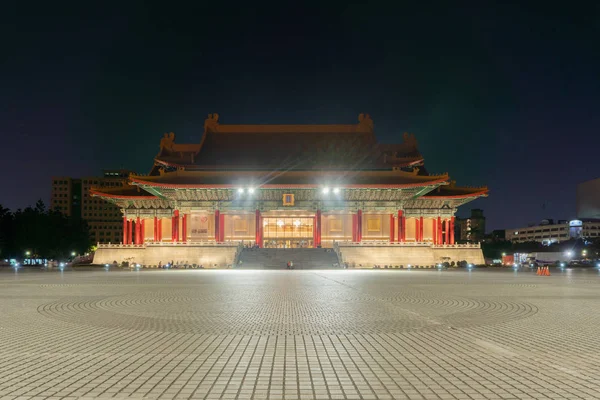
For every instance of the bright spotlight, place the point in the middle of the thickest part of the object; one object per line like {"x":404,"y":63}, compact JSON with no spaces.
{"x":250,"y":190}
{"x":325,"y":190}
{"x":336,"y":190}
{"x":72,"y":254}
{"x":241,"y":190}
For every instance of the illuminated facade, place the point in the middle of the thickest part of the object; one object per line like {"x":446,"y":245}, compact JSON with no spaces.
{"x":289,"y":186}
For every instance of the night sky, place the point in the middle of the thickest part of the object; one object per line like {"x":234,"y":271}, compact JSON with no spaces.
{"x":505,"y":96}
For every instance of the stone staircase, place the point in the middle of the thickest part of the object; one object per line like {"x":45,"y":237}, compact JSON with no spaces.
{"x":278,"y":258}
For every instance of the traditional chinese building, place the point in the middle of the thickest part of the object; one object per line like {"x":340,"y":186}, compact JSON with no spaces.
{"x":288,"y":186}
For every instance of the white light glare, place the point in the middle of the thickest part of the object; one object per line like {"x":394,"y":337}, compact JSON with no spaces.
{"x":241,"y":190}
{"x":250,"y":190}
{"x":325,"y":190}
{"x":336,"y":190}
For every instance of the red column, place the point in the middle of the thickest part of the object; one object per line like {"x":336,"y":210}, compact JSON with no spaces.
{"x":439,"y":232}
{"x":221,"y":228}
{"x":318,"y":228}
{"x":392,"y":230}
{"x":359,"y":221}
{"x":421,"y":225}
{"x":257,"y":229}
{"x":434,"y":231}
{"x":177,"y":230}
{"x":155,"y":229}
{"x":354,"y":227}
{"x":159,"y":230}
{"x":445,"y":232}
{"x":173,"y":229}
{"x":401,"y":226}
{"x":217,"y":220}
{"x":124,"y":230}
{"x":129,"y":231}
{"x":451,"y":230}
{"x":184,"y":228}
{"x":261,"y":230}
{"x":143,"y":232}
{"x":137,"y":230}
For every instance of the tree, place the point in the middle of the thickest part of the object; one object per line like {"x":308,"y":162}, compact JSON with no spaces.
{"x":44,"y":233}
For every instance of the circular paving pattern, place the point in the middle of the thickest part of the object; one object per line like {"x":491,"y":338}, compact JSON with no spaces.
{"x":282,"y":311}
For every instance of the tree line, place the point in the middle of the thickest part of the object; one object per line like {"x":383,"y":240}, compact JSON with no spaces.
{"x":38,"y":232}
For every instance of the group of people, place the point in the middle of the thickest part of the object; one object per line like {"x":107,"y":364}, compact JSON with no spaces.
{"x":290,"y":265}
{"x":182,"y":266}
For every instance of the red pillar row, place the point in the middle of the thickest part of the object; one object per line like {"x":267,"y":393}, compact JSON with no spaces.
{"x":440,"y":239}
{"x":184,"y":228}
{"x":452,"y":230}
{"x":392,"y":230}
{"x":434,"y":231}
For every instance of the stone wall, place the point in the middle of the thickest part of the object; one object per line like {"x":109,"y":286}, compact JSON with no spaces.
{"x":208,"y":256}
{"x":369,"y":255}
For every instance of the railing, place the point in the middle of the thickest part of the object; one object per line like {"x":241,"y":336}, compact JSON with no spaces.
{"x":407,"y":244}
{"x":238,"y":253}
{"x":454,"y":246}
{"x":338,"y":253}
{"x":166,"y":244}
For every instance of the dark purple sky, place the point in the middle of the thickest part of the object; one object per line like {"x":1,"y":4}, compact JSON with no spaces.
{"x":507,"y":96}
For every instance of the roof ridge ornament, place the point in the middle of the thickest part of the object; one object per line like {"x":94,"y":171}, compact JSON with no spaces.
{"x":211,"y":122}
{"x":167,"y":141}
{"x":364,"y":120}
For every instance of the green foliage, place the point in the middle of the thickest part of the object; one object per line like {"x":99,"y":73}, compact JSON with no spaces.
{"x":45,"y":233}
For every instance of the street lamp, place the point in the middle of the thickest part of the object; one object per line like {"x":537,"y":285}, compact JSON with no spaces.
{"x":28,"y":253}
{"x":73,"y":254}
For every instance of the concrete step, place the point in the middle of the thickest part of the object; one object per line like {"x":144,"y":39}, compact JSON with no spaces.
{"x":278,"y":258}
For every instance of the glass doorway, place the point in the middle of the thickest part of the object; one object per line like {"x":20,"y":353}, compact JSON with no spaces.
{"x":288,"y":232}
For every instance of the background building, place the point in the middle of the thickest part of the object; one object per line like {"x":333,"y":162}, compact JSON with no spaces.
{"x":471,"y":229}
{"x":548,"y":232}
{"x":71,"y":197}
{"x":588,"y":199}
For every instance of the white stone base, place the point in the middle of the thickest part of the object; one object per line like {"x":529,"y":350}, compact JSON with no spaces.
{"x":367,"y":255}
{"x":216,"y":256}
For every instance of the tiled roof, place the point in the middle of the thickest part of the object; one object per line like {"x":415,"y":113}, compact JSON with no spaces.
{"x":188,"y":179}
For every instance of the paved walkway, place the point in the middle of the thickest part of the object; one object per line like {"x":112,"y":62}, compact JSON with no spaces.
{"x":300,"y":335}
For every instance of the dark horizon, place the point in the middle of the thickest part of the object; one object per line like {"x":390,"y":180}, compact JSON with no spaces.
{"x":504,"y":96}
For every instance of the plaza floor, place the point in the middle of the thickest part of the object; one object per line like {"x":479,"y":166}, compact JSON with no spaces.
{"x":300,"y":334}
